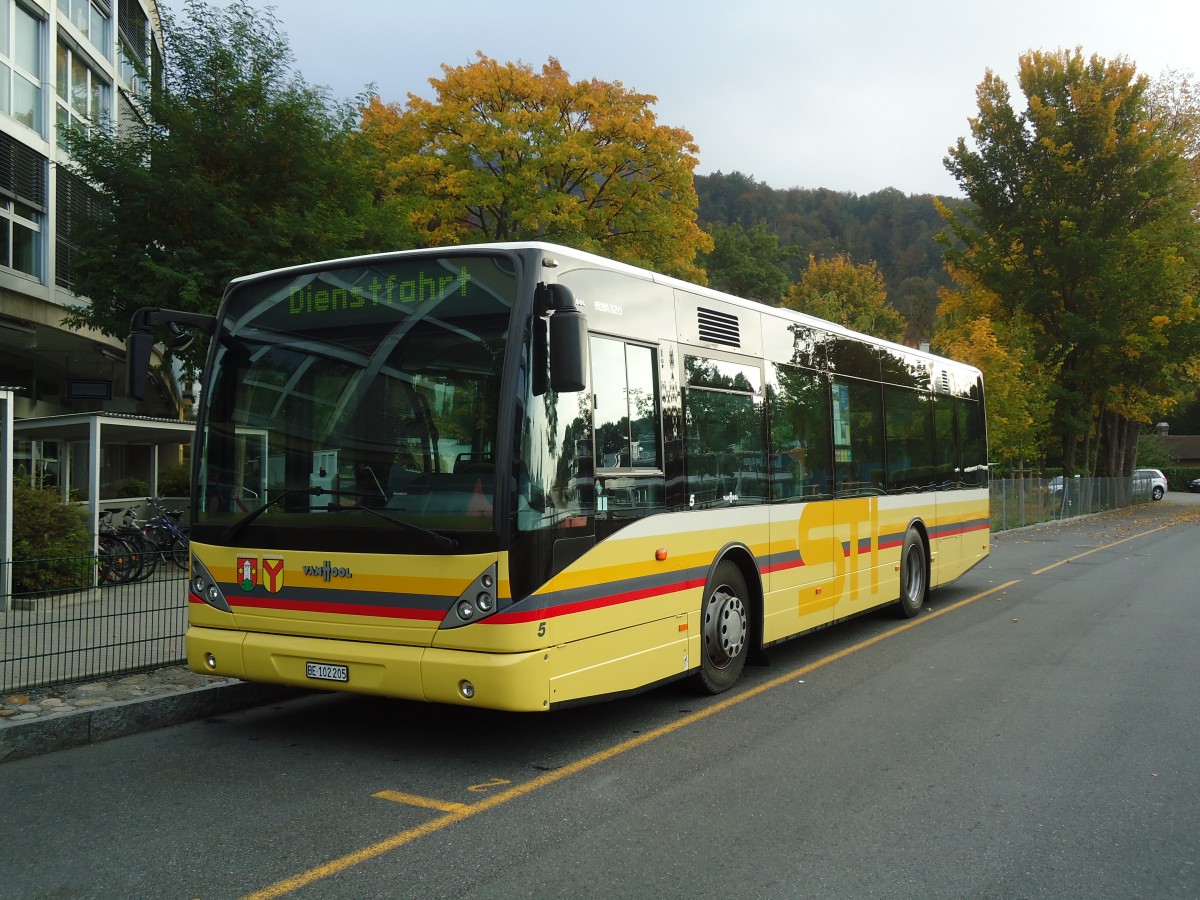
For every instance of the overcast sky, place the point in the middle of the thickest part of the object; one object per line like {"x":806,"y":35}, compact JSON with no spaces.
{"x":843,"y":94}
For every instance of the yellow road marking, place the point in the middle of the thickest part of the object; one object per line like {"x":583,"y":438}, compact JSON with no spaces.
{"x":460,"y":812}
{"x":488,"y":785}
{"x":415,"y":800}
{"x":1063,"y":562}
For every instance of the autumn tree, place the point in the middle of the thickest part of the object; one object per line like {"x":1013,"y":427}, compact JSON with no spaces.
{"x":747,"y":263}
{"x":916,"y":299}
{"x":973,"y":327}
{"x":506,"y":153}
{"x":848,"y":293}
{"x":234,"y":165}
{"x":1081,"y":222}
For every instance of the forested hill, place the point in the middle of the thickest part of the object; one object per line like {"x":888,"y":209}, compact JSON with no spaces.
{"x":895,"y":230}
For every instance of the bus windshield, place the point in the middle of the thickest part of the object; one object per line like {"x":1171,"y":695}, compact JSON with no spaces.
{"x":355,"y":406}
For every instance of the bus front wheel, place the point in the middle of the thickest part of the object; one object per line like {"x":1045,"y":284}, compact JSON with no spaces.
{"x":914,"y":575}
{"x":725,"y":625}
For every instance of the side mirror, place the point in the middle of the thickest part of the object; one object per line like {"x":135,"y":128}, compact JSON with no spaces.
{"x":140,"y":343}
{"x":138,"y":347}
{"x":568,"y":342}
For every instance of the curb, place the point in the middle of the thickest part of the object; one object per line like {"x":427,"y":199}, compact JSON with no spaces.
{"x":19,"y":740}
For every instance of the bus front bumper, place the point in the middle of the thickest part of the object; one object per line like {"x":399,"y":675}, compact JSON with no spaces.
{"x":517,"y":682}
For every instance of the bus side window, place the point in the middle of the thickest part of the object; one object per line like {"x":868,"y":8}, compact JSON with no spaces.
{"x":629,"y":475}
{"x":946,"y":442}
{"x":909,"y":420}
{"x":724,"y":420}
{"x":974,"y":455}
{"x":858,"y":436}
{"x":800,"y":429}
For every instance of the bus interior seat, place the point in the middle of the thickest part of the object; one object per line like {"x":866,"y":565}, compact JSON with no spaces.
{"x":474,"y":464}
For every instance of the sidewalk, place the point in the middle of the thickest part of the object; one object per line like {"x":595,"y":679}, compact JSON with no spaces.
{"x":43,"y":720}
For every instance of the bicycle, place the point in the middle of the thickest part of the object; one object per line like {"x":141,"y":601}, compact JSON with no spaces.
{"x":141,"y":556}
{"x":168,"y":536}
{"x":117,"y":561}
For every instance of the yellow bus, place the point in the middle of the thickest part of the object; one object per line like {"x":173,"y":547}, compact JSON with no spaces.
{"x":519,"y":476}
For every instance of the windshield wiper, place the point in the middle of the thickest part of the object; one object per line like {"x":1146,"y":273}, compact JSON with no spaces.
{"x":235,"y":528}
{"x":442,"y":540}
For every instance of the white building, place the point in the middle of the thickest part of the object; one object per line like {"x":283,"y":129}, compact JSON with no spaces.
{"x":63,"y":63}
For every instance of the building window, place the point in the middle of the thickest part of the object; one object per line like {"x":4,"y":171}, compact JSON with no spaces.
{"x":133,"y":29}
{"x":83,"y":94}
{"x":21,"y":66}
{"x":93,"y":20}
{"x":22,"y":208}
{"x":21,"y":237}
{"x":75,"y":202}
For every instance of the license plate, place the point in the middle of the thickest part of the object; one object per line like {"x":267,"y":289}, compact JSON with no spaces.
{"x":327,"y":672}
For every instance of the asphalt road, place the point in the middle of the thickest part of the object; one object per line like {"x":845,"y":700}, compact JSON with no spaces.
{"x":1035,"y":734}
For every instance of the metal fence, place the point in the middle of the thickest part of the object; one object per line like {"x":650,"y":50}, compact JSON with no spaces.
{"x":87,"y":628}
{"x":1020,"y":501}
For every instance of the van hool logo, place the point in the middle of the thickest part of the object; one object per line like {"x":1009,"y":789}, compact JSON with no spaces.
{"x":326,"y":571}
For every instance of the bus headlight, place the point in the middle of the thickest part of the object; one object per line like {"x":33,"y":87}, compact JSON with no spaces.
{"x":205,"y":587}
{"x":477,"y":602}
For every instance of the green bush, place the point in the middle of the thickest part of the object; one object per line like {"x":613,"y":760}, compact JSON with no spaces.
{"x":52,"y":546}
{"x":126,"y":487}
{"x":175,"y":481}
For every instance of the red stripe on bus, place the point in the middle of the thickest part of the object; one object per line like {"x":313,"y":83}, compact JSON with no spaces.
{"x":783,"y":566}
{"x":534,"y":615}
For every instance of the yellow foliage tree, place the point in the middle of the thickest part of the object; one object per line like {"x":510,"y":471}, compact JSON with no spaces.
{"x":507,"y":153}
{"x":972,"y":327}
{"x":848,"y":293}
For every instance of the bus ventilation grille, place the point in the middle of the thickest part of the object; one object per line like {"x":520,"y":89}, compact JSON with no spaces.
{"x":718,"y":327}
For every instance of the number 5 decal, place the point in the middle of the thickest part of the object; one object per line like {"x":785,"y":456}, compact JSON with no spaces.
{"x":541,"y":629}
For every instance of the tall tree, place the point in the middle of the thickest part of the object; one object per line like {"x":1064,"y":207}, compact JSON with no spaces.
{"x":1081,"y":219}
{"x":748,"y":263}
{"x":973,"y":327}
{"x":234,"y":165}
{"x":507,"y":153}
{"x":848,"y":293}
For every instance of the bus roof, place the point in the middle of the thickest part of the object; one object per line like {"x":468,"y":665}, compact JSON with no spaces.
{"x":616,"y":266}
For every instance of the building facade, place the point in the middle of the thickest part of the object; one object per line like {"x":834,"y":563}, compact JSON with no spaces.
{"x":64,"y":64}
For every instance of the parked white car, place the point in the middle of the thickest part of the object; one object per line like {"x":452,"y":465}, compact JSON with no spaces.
{"x":1150,"y":481}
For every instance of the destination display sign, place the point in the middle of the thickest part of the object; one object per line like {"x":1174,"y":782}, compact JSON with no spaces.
{"x":375,"y":293}
{"x":316,"y":298}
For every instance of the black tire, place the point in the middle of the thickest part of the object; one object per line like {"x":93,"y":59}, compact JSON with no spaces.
{"x":1157,"y":493}
{"x":914,"y":575}
{"x":118,"y":563}
{"x":145,"y":553}
{"x":725,"y":629}
{"x":179,"y":553}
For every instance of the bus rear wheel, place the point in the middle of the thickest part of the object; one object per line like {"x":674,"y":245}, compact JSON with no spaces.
{"x":914,"y":575}
{"x":725,"y":629}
